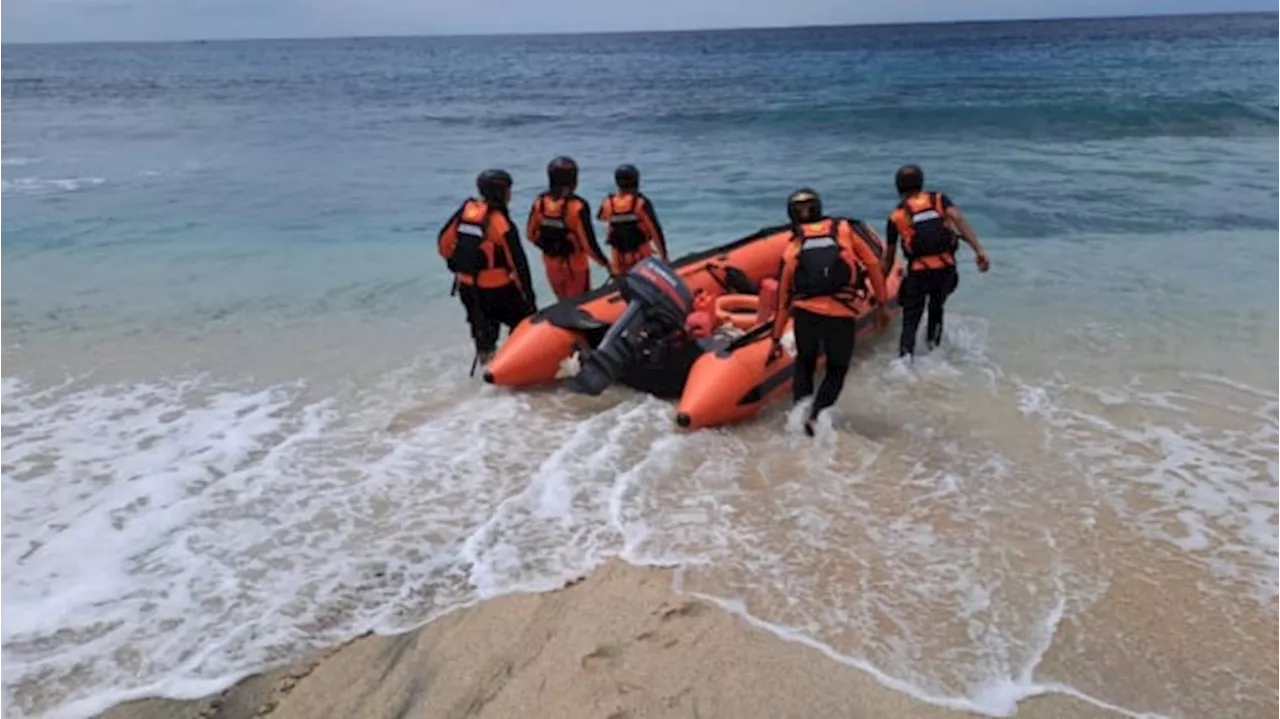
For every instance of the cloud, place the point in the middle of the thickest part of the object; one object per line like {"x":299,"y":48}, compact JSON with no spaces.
{"x":93,"y":20}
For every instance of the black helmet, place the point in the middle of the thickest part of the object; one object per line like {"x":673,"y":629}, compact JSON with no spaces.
{"x":805,"y":199}
{"x":909,"y":179}
{"x":562,"y":171}
{"x":492,"y":183}
{"x":626,"y":176}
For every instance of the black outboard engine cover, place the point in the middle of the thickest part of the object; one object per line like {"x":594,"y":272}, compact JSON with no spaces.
{"x":658,"y":303}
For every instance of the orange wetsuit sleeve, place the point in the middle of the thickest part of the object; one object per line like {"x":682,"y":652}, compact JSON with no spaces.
{"x":786,"y":272}
{"x":650,"y":217}
{"x":587,"y":232}
{"x":518,"y":258}
{"x":868,"y":259}
{"x":448,"y":225}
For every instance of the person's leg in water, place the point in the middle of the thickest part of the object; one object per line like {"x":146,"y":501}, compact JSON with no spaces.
{"x":838,"y":336}
{"x":808,"y":332}
{"x":941,"y":284}
{"x":911,"y":297}
{"x":484,"y":328}
{"x":506,"y":306}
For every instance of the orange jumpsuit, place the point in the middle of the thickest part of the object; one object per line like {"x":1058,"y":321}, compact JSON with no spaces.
{"x":561,"y":228}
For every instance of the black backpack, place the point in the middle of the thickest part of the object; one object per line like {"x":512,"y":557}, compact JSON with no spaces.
{"x":624,"y":229}
{"x":930,"y":235}
{"x":821,"y":266}
{"x":468,"y":256}
{"x":553,"y":232}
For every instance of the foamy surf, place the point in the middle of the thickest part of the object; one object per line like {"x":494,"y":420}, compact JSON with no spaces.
{"x":48,"y":186}
{"x":18,"y":161}
{"x":232,"y":529}
{"x":1205,"y":485}
{"x":171,"y":537}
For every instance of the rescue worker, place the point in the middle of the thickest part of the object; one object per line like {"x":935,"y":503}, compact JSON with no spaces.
{"x":822,"y":271}
{"x":633,"y":230}
{"x":481,"y":246}
{"x":560,"y":226}
{"x":927,"y":222}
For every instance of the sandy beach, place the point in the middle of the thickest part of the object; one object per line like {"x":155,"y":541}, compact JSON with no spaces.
{"x":619,"y":644}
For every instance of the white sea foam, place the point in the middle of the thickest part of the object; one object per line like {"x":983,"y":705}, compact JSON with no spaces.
{"x":181,"y":533}
{"x":171,"y":537}
{"x":808,"y":543}
{"x":1194,"y":467}
{"x":47,"y":186}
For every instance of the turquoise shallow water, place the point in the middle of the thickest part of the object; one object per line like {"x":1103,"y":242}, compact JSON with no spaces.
{"x":237,"y":421}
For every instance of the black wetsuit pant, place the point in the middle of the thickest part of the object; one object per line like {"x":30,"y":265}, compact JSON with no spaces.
{"x":490,"y":308}
{"x":818,"y":335}
{"x":918,"y":288}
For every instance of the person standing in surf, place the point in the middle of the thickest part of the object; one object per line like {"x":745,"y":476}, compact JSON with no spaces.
{"x":822,"y":269}
{"x":930,"y":226}
{"x":560,"y":226}
{"x":633,"y":229}
{"x":481,"y":247}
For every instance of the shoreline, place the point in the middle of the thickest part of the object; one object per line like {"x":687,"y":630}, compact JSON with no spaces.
{"x":620,"y":643}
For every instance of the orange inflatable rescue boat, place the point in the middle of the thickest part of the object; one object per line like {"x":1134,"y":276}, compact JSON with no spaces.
{"x":697,"y":330}
{"x":534,"y":352}
{"x":735,"y":380}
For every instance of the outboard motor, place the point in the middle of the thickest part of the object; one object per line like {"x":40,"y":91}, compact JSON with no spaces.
{"x":658,"y":303}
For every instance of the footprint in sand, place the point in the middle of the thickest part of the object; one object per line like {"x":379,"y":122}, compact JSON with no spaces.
{"x":602,"y":656}
{"x":688,"y":609}
{"x":666,"y":613}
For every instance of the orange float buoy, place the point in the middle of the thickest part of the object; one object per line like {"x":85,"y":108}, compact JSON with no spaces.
{"x":698,"y":324}
{"x":740,"y":311}
{"x":768,"y":300}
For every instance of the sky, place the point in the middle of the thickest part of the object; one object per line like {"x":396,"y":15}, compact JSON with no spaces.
{"x":126,"y":20}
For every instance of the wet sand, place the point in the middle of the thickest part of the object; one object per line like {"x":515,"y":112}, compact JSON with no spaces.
{"x":619,"y":644}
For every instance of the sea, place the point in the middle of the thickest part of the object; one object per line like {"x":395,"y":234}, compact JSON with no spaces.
{"x":238,"y":423}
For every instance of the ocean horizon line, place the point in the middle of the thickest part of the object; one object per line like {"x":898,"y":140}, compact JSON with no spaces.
{"x":653,"y":32}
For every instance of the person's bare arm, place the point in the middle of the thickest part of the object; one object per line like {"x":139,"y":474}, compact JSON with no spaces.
{"x":969,"y":236}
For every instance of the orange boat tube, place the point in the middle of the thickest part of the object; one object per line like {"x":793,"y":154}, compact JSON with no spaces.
{"x":539,"y":344}
{"x":736,"y":382}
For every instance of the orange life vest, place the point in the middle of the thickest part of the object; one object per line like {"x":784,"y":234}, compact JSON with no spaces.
{"x":552,"y":234}
{"x":928,"y":241}
{"x":474,"y":247}
{"x":626,"y":234}
{"x":824,"y":265}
